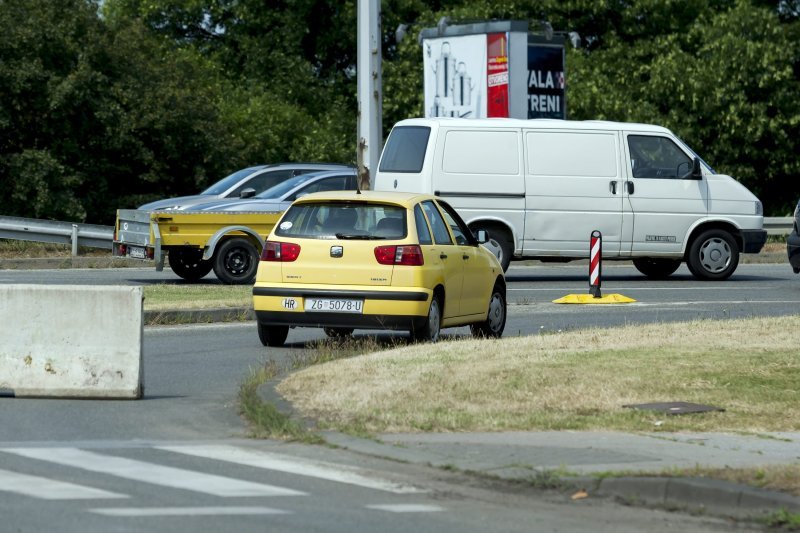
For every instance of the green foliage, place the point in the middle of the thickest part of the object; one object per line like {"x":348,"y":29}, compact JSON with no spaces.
{"x":105,"y":106}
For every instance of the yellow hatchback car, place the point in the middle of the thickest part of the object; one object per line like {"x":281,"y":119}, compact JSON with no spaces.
{"x":376,"y":260}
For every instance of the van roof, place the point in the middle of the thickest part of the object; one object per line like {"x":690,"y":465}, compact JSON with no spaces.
{"x":536,"y":123}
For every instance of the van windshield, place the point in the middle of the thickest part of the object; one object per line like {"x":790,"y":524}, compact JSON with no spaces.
{"x":405,"y":149}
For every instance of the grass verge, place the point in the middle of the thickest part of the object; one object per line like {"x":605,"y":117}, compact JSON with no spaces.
{"x":190,"y":296}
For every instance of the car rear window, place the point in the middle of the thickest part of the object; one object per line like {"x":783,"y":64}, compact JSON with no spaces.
{"x":405,"y":149}
{"x":354,"y":220}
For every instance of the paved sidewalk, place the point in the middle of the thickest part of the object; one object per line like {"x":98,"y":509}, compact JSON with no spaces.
{"x":574,"y":456}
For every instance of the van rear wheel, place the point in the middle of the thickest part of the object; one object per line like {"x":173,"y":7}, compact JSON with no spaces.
{"x":656,"y":268}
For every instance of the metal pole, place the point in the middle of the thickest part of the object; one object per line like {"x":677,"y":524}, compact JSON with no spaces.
{"x":74,"y":240}
{"x":370,"y":112}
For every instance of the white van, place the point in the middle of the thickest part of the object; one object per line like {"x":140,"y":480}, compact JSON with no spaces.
{"x":540,"y":187}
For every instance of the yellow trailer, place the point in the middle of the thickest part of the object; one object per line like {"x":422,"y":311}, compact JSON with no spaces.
{"x":195,"y":243}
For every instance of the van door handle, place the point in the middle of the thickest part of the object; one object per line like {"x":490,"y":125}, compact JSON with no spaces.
{"x":630,"y":186}
{"x":612,"y":186}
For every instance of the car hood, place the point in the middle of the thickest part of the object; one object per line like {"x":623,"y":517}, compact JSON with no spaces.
{"x":239,"y":205}
{"x":179,"y":202}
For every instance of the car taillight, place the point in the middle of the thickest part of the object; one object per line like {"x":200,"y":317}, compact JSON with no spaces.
{"x":280,"y":251}
{"x":399,"y":255}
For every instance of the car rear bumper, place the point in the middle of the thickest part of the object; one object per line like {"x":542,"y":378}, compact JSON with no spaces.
{"x":793,"y":250}
{"x":753,"y":240}
{"x":389,"y":308}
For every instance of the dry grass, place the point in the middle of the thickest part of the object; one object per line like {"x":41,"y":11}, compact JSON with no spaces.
{"x":572,"y":380}
{"x":187,"y":296}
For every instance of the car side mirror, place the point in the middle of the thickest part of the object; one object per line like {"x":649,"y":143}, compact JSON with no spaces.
{"x":696,"y":173}
{"x":247,"y":193}
{"x":482,"y":236}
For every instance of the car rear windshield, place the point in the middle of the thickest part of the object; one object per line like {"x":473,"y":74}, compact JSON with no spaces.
{"x":344,"y":220}
{"x":405,"y":149}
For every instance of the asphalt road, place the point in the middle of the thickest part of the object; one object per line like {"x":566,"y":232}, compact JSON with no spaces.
{"x":178,"y":461}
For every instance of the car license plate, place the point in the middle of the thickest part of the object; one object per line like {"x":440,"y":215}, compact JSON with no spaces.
{"x":136,"y":252}
{"x":334,"y":305}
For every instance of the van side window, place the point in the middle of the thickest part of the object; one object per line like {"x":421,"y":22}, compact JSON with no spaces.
{"x":423,"y":232}
{"x":438,"y":225}
{"x":657,"y":157}
{"x":405,"y":149}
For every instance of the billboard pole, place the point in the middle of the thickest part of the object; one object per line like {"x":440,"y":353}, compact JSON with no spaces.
{"x":368,"y":72}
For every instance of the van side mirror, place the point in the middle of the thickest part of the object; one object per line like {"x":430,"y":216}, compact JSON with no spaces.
{"x":696,"y":173}
{"x":247,"y":193}
{"x":482,"y":236}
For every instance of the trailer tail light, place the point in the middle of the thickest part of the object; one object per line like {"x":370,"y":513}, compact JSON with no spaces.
{"x":285,"y":252}
{"x":409,"y":255}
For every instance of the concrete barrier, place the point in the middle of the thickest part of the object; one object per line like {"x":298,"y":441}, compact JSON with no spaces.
{"x":71,"y":341}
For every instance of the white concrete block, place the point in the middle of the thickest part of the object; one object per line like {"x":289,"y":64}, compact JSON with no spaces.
{"x":71,"y":341}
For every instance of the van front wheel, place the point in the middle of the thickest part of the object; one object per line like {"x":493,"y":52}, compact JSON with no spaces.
{"x":713,"y":255}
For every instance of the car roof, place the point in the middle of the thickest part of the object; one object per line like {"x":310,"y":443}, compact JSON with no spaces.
{"x":404,"y":198}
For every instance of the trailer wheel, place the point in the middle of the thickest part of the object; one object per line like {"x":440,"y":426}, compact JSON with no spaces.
{"x":236,"y":261}
{"x":188,"y":263}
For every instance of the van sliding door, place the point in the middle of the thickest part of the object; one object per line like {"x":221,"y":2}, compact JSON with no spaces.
{"x":573,"y":187}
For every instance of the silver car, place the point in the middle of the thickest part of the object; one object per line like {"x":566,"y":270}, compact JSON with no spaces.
{"x":245,"y":183}
{"x":279,"y":197}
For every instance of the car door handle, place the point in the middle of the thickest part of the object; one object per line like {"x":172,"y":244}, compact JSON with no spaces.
{"x":465,"y":256}
{"x":442,"y":255}
{"x":629,"y":184}
{"x":612,"y":186}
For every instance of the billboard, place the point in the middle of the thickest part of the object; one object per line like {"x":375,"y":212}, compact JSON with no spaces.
{"x":493,"y":69}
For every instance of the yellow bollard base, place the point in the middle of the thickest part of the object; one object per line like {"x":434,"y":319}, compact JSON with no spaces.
{"x":589,"y":299}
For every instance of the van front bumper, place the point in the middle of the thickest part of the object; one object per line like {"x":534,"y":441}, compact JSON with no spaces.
{"x":793,"y":250}
{"x":753,"y":240}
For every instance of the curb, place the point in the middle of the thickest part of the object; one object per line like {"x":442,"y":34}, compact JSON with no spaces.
{"x":702,"y":495}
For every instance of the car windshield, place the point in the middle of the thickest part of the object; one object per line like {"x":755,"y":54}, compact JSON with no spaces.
{"x":229,"y":181}
{"x":344,"y":220}
{"x":280,"y":190}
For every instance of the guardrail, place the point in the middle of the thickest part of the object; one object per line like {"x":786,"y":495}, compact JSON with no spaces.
{"x":778,"y":225}
{"x":94,"y":236}
{"x":32,"y":229}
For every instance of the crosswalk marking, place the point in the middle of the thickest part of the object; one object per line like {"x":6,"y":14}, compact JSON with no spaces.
{"x":49,"y":489}
{"x":406,"y":508}
{"x":152,"y":473}
{"x":127,"y":512}
{"x":291,"y":465}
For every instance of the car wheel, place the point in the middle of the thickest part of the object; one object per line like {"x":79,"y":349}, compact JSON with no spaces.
{"x":495,"y":321}
{"x":338,"y":333}
{"x":656,"y":268}
{"x":236,"y":261}
{"x":499,"y":244}
{"x":429,"y":332}
{"x":273,"y":336}
{"x":188,"y":263}
{"x":713,"y":255}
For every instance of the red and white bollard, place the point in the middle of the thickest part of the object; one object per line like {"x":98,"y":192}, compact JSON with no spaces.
{"x":595,"y":263}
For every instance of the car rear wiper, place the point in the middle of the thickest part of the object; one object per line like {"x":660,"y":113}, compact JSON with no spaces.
{"x":352,"y":236}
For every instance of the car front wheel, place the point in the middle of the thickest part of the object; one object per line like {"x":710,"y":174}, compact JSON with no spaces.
{"x":495,"y":321}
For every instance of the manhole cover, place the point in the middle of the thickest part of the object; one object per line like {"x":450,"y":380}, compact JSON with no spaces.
{"x":674,"y":408}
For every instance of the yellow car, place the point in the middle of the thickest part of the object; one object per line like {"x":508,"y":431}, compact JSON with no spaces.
{"x":376,"y":260}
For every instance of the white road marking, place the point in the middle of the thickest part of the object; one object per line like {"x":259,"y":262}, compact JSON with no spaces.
{"x":50,"y":489}
{"x":152,"y":473}
{"x":291,"y":465}
{"x":128,"y":512}
{"x":406,"y":508}
{"x":615,"y":288}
